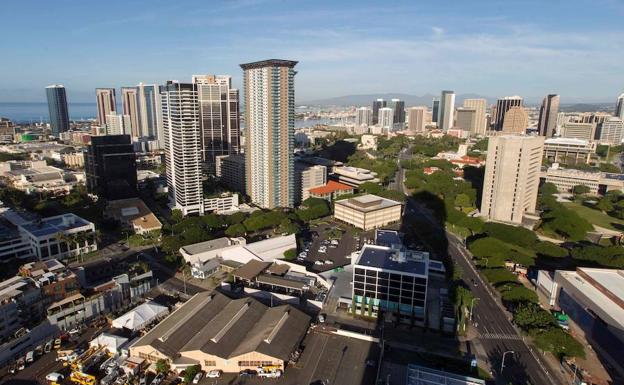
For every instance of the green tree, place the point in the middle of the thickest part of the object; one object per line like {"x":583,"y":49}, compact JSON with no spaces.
{"x":550,"y":250}
{"x":176,"y":216}
{"x":289,"y":227}
{"x":580,"y":189}
{"x":548,"y":189}
{"x":190,"y":373}
{"x":605,"y":204}
{"x":236,"y":230}
{"x":511,"y":234}
{"x":530,"y":316}
{"x":235,"y":218}
{"x":558,"y":342}
{"x":463,"y":200}
{"x":290,"y":254}
{"x":499,"y":276}
{"x":162,"y":366}
{"x":370,"y":188}
{"x":609,"y":167}
{"x":516,"y":293}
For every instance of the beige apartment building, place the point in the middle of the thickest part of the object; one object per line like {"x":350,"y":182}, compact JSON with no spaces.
{"x":368,"y":211}
{"x":417,"y":119}
{"x":479,"y":105}
{"x":466,"y":119}
{"x":516,"y":120}
{"x":512,"y":174}
{"x":220,"y":333}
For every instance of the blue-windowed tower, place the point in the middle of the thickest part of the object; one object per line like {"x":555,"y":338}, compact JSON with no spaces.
{"x":57,"y":107}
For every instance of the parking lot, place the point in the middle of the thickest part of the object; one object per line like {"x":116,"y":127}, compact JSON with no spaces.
{"x":326,"y":359}
{"x":321,"y":249}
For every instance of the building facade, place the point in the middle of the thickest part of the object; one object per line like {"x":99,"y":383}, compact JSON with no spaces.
{"x":364,"y":117}
{"x":479,"y":105}
{"x":377,"y":104}
{"x":106,"y":104}
{"x":219,"y":116}
{"x":583,"y":131}
{"x":308,"y":176}
{"x":416,"y":119}
{"x":502,"y":106}
{"x":182,"y":137}
{"x":512,"y":173}
{"x":110,"y":167}
{"x":446,"y":112}
{"x":130,"y":108}
{"x":466,"y":119}
{"x":547,"y":125}
{"x":368,"y":212}
{"x":619,"y":107}
{"x":386,"y":119}
{"x":269,"y":137}
{"x":398,"y":106}
{"x":516,"y":121}
{"x":230,"y":170}
{"x":611,"y":131}
{"x":57,"y":108}
{"x":568,"y":151}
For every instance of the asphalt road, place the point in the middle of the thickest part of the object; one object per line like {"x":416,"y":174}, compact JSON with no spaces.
{"x":497,"y":334}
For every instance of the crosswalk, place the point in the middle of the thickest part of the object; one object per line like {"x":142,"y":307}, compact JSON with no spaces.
{"x":498,"y":336}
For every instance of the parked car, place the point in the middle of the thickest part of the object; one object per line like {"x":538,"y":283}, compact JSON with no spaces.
{"x":303,"y":254}
{"x":48,"y":346}
{"x":55,"y":377}
{"x":329,"y":262}
{"x":198,"y":377}
{"x":20,"y":364}
{"x":158,"y":379}
{"x":30,"y":357}
{"x":214,"y":374}
{"x":318,"y":262}
{"x":247,"y":373}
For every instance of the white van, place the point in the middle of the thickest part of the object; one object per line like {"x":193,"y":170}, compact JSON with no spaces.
{"x":30,"y":357}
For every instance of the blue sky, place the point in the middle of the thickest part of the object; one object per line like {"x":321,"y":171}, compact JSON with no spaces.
{"x":493,"y":48}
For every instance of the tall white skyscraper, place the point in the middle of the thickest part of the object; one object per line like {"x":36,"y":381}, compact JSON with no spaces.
{"x":182,"y":139}
{"x":619,"y":107}
{"x":446,"y":110}
{"x":270,"y":125}
{"x":386,"y":119}
{"x":150,"y":119}
{"x":479,"y":105}
{"x":364,"y":116}
{"x":220,"y":124}
{"x":512,"y":174}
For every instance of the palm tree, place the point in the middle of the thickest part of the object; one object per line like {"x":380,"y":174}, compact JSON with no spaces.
{"x":62,"y":238}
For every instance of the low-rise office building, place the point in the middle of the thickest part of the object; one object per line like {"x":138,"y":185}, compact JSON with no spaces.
{"x":594,"y":301}
{"x":220,"y":333}
{"x":20,"y":305}
{"x":390,"y":278}
{"x":354,"y":176}
{"x":368,"y":211}
{"x":230,"y":169}
{"x":568,"y":150}
{"x":223,"y":204}
{"x":308,"y":176}
{"x":133,"y":214}
{"x":60,"y":236}
{"x":55,"y":280}
{"x":598,"y":182}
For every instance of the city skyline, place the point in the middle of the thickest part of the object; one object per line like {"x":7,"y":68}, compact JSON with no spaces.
{"x":499,"y":55}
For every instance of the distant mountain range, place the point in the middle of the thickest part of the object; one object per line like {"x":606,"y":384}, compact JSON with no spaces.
{"x":367,"y":99}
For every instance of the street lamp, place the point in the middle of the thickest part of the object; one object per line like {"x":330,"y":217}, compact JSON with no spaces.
{"x":471,"y":306}
{"x":503,"y":362}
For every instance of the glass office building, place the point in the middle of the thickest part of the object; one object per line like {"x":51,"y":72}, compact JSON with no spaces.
{"x":57,"y":107}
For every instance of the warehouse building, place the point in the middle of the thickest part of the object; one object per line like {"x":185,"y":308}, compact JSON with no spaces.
{"x":594,"y":300}
{"x":221,"y":333}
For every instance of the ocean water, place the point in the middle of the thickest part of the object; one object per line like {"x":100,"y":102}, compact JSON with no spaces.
{"x":35,"y":112}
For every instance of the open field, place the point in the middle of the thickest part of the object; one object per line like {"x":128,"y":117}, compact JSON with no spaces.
{"x":596,"y":217}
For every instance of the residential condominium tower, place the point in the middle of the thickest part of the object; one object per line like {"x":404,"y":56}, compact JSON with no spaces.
{"x":150,"y":120}
{"x":130,"y":108}
{"x":270,"y":124}
{"x":106,"y":104}
{"x":57,"y":107}
{"x":549,"y":110}
{"x":416,"y":119}
{"x":446,"y":110}
{"x":398,"y":106}
{"x":364,"y":117}
{"x":512,"y":174}
{"x":219,"y":115}
{"x":480,"y":124}
{"x":182,"y":143}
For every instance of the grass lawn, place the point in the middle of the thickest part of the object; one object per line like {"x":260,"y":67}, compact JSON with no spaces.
{"x":594,"y":217}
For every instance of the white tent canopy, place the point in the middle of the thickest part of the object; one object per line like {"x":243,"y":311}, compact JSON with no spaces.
{"x":140,"y":316}
{"x":110,"y":341}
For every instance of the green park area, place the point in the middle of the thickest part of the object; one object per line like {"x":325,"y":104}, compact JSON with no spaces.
{"x":596,"y":217}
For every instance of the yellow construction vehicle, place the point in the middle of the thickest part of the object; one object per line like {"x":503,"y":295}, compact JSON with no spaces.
{"x":82,"y":378}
